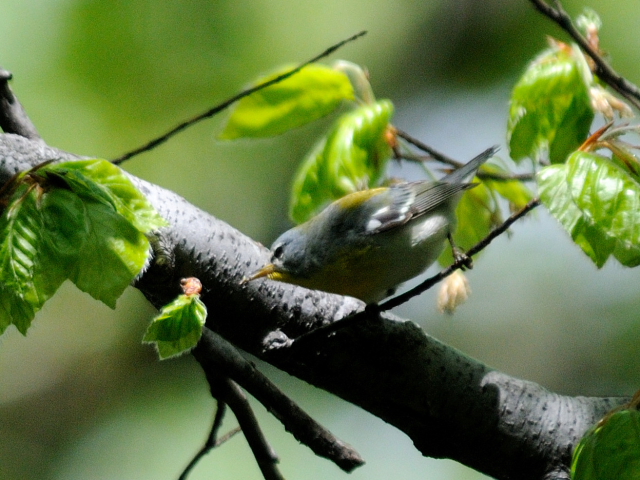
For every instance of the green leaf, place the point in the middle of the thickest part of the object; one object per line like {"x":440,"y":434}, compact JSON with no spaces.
{"x":611,"y":450}
{"x":83,"y":221}
{"x":178,"y":326}
{"x":312,"y":93}
{"x":550,"y":106}
{"x":113,"y":253}
{"x":63,"y":235}
{"x":113,"y":217}
{"x":608,"y":198}
{"x":555,"y":194}
{"x":15,"y":310}
{"x":353,"y":156}
{"x":65,"y":227}
{"x":514,"y":191}
{"x":20,"y":226}
{"x":104,"y":182}
{"x":19,"y":229}
{"x":598,"y":203}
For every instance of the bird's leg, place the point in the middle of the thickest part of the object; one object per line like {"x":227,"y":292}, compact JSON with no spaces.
{"x":459,"y":255}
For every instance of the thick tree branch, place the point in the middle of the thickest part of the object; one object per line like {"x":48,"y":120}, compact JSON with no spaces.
{"x":216,"y":355}
{"x":451,"y":406}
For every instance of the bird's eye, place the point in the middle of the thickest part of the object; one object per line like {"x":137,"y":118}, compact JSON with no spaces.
{"x":278,"y":252}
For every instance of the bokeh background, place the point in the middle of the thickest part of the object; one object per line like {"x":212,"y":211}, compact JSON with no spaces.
{"x":82,"y":398}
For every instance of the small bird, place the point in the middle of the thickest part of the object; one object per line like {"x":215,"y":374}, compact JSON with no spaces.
{"x":368,"y":242}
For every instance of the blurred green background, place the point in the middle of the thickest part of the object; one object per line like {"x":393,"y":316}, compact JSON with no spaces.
{"x":81,"y":398}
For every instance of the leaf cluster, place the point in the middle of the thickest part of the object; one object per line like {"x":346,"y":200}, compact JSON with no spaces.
{"x":83,"y":221}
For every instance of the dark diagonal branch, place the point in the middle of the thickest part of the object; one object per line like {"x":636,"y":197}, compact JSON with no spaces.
{"x":227,"y":103}
{"x":215,"y":355}
{"x":604,"y":71}
{"x":226,"y":390}
{"x":442,"y":158}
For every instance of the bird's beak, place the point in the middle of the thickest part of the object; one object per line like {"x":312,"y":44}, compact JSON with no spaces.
{"x":267,"y":270}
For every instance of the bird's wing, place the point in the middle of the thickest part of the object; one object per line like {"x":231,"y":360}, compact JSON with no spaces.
{"x":411,"y":200}
{"x":430,"y":195}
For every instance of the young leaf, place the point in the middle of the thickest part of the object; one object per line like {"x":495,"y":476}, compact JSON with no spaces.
{"x":19,"y":244}
{"x":79,"y":220}
{"x":19,"y":234}
{"x":113,"y":253}
{"x":351,"y":157}
{"x":106,"y":183}
{"x":312,"y":93}
{"x":15,"y":310}
{"x":610,"y":450}
{"x":550,"y":106}
{"x":598,"y":203}
{"x":178,"y":326}
{"x":64,"y":234}
{"x":555,"y":194}
{"x":514,"y":191}
{"x":608,"y":198}
{"x":115,"y":216}
{"x":588,"y":22}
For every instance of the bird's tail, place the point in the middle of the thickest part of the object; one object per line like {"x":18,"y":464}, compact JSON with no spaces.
{"x":466,"y":172}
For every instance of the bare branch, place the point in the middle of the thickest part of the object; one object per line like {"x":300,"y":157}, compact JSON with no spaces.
{"x":212,"y":440}
{"x":229,"y":391}
{"x":604,"y":71}
{"x":218,"y":108}
{"x":481,"y":245}
{"x":215,"y":355}
{"x":441,"y":157}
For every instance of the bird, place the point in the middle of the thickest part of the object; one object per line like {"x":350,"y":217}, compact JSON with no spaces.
{"x":368,"y":242}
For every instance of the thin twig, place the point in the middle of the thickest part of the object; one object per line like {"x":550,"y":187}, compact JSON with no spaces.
{"x":603,"y":70}
{"x":441,"y":157}
{"x":227,"y":436}
{"x":218,"y":108}
{"x":212,"y":440}
{"x":478,"y":247}
{"x":215,"y":354}
{"x":506,"y":177}
{"x":265,"y":456}
{"x":496,"y":176}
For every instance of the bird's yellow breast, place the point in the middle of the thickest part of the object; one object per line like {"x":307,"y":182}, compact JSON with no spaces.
{"x":360,"y":273}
